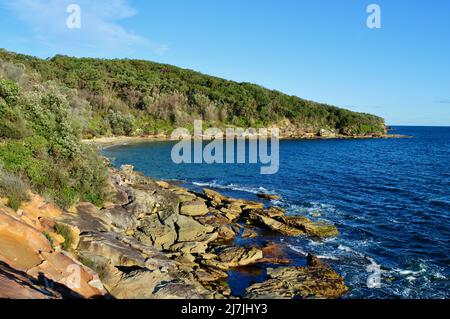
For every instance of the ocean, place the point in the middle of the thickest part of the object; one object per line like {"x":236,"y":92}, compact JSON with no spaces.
{"x":389,"y":198}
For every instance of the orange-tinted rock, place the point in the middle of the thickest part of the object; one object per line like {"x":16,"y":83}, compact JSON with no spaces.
{"x":20,"y":244}
{"x":37,"y":208}
{"x":15,"y":284}
{"x":27,"y":251}
{"x":64,"y":270}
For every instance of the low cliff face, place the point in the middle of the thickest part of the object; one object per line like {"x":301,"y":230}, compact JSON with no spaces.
{"x":153,"y":240}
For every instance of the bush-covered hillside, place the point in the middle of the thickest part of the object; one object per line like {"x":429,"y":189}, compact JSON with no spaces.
{"x":133,"y":97}
{"x":40,"y":143}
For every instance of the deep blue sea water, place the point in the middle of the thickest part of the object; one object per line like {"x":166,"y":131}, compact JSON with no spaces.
{"x":389,"y":198}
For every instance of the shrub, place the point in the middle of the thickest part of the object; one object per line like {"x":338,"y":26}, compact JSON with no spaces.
{"x":100,"y":267}
{"x":121,"y":124}
{"x":66,"y":233}
{"x":15,"y":156}
{"x":14,"y":188}
{"x":9,"y":91}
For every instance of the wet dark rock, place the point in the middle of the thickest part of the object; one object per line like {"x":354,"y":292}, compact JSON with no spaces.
{"x":231,"y":257}
{"x":313,"y":229}
{"x":269,"y":196}
{"x":261,"y":218}
{"x":317,"y":280}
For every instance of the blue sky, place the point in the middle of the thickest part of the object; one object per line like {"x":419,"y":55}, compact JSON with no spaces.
{"x":318,"y":50}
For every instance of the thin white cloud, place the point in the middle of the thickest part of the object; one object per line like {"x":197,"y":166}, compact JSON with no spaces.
{"x":101,"y":32}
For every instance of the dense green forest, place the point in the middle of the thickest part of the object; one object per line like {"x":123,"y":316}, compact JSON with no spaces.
{"x":134,"y":97}
{"x":48,"y":106}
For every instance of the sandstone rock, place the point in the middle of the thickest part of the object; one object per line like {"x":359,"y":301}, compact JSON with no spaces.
{"x":107,"y":245}
{"x":161,"y":236}
{"x":249,"y":233}
{"x":275,"y":212}
{"x":186,"y":259}
{"x":208,"y":256}
{"x":26,"y":249}
{"x":226,"y":232}
{"x":119,"y":217}
{"x":15,"y":284}
{"x":191,"y":230}
{"x":215,"y":219}
{"x":188,"y":198}
{"x":275,"y":261}
{"x":317,"y":280}
{"x":20,"y":244}
{"x":163,"y":184}
{"x":179,"y":289}
{"x":61,"y":269}
{"x":326,"y":133}
{"x":193,"y":208}
{"x":190,"y":247}
{"x":87,"y":218}
{"x":231,"y":257}
{"x":249,"y":205}
{"x":209,"y":274}
{"x":259,"y":217}
{"x":127,"y":169}
{"x":109,"y":205}
{"x":231,"y":211}
{"x":269,"y":196}
{"x":314,"y":229}
{"x":38,"y":207}
{"x":180,"y":191}
{"x":121,"y":197}
{"x":215,"y":197}
{"x":139,"y":284}
{"x":57,"y":239}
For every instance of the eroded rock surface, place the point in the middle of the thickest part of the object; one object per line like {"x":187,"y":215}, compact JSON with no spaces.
{"x":317,"y":280}
{"x":274,"y":219}
{"x":28,"y":259}
{"x":154,"y":240}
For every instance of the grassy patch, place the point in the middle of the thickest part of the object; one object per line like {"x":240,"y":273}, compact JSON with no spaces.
{"x":49,"y":238}
{"x":14,"y":188}
{"x":65,"y":232}
{"x":101,"y":268}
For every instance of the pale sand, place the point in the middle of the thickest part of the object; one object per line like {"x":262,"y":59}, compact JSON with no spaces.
{"x":105,"y":142}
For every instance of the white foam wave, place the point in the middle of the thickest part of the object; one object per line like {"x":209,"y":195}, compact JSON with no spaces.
{"x":347,"y":249}
{"x":235,"y":187}
{"x":297,"y":250}
{"x":329,"y":257}
{"x":406,"y":272}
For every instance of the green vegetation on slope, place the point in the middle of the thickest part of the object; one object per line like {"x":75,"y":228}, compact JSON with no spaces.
{"x":132,"y":97}
{"x":40,"y":143}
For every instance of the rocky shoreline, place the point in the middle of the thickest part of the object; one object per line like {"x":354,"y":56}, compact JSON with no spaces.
{"x":155,"y":240}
